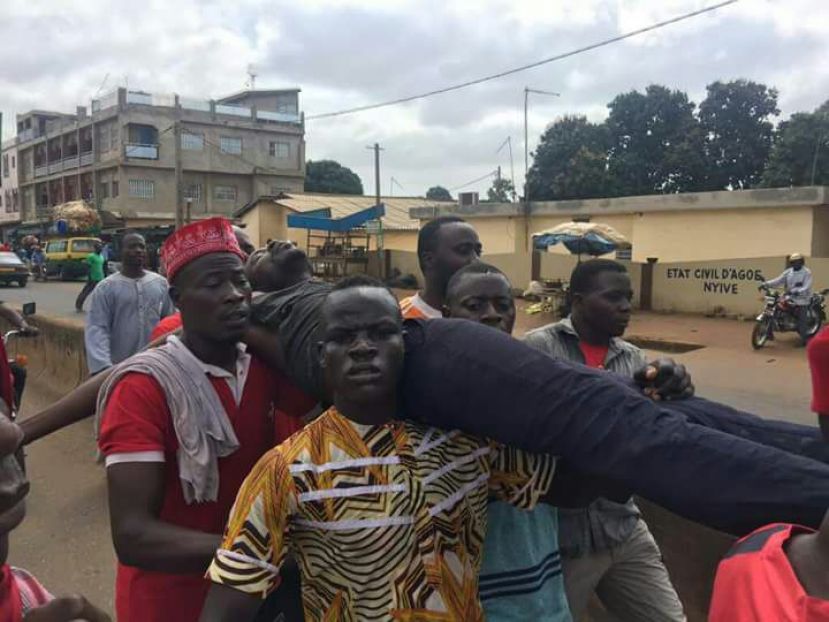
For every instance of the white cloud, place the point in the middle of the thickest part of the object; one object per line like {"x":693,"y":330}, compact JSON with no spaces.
{"x":346,"y":53}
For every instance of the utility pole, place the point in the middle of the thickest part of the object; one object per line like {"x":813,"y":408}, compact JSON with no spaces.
{"x":814,"y":160}
{"x":508,"y":143}
{"x":377,"y":149}
{"x":527,"y":91}
{"x":179,"y":193}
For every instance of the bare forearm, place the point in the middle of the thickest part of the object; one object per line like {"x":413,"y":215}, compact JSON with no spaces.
{"x":71,"y":408}
{"x":11,"y":316}
{"x":162,"y":547}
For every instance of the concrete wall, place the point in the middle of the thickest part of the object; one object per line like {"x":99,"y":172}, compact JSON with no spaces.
{"x":820,"y":232}
{"x":711,"y":235}
{"x":729,"y":287}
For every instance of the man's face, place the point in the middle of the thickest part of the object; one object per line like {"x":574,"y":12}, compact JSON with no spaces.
{"x":213,"y":295}
{"x":244,"y":241}
{"x":134,"y":250}
{"x":361,"y":352}
{"x":606,"y":307}
{"x":278,"y":266}
{"x":798,"y":264}
{"x":97,"y":246}
{"x":458,"y":245}
{"x":483,"y":298}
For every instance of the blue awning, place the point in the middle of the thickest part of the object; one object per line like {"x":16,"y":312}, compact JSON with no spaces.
{"x":315,"y":220}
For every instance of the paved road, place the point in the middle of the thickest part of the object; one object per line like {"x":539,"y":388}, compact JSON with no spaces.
{"x":56,"y":298}
{"x":65,"y":539}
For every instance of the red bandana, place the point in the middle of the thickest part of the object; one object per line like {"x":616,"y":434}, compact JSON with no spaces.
{"x":214,"y":235}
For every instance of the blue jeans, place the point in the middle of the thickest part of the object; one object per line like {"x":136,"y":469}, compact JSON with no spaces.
{"x":699,"y":459}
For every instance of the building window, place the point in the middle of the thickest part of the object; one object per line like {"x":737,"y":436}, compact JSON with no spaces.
{"x":287,"y":103}
{"x":192,"y":191}
{"x":6,"y":165}
{"x":191,"y":141}
{"x":224,"y":193}
{"x":280,"y":150}
{"x":14,"y":162}
{"x":103,"y":192}
{"x":113,"y":137}
{"x":229,"y":144}
{"x":142,"y":188}
{"x":114,"y":188}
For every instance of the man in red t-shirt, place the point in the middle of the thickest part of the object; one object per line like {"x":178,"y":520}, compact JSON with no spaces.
{"x":818,"y":352}
{"x":779,"y":573}
{"x":164,"y":544}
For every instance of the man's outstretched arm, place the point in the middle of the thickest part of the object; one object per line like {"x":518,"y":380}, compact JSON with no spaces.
{"x":224,"y":604}
{"x":75,"y":406}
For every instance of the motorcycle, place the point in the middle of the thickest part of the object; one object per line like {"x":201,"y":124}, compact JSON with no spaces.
{"x":18,"y":362}
{"x":39,"y":272}
{"x":779,"y":316}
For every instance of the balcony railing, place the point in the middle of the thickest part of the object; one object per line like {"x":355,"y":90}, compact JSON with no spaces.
{"x":144,"y":152}
{"x":70,"y":162}
{"x":26,"y":135}
{"x":86,"y":159}
{"x":281,"y":117}
{"x":57,"y":167}
{"x":40,"y":171}
{"x":236,"y":111}
{"x":107,"y":101}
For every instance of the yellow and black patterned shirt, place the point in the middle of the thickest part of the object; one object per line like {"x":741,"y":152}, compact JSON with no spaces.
{"x":386,"y":522}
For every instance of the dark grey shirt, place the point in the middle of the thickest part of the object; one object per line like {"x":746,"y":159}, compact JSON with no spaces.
{"x":604,"y":524}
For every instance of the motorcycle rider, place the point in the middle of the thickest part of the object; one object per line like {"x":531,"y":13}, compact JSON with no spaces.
{"x":797,"y":279}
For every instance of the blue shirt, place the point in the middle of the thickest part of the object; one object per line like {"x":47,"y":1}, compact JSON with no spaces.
{"x":521,"y":568}
{"x":122,"y":314}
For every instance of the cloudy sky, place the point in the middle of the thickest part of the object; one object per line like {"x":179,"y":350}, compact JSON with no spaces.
{"x":344,"y":53}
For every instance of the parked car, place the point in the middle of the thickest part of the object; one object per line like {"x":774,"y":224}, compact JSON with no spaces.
{"x":66,"y":257}
{"x":13,"y":270}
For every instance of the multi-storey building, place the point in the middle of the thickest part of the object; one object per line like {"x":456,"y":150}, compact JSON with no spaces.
{"x":122,"y":155}
{"x":9,"y":192}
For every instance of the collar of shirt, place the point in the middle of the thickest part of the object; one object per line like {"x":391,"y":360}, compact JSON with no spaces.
{"x":616,"y":346}
{"x":424,"y":307}
{"x":236,"y":381}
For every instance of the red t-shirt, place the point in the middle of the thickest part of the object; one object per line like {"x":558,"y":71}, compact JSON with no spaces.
{"x":818,"y":352}
{"x":594,"y":356}
{"x":756,"y":583}
{"x":166,"y":325}
{"x":137,"y":419}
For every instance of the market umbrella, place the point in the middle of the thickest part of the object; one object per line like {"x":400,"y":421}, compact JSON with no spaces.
{"x":582,"y":238}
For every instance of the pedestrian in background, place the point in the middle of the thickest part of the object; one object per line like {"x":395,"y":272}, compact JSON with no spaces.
{"x":95,"y":261}
{"x":124,"y":308}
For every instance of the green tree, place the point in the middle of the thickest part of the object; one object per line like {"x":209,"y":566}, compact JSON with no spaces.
{"x":570,"y":161}
{"x":438,"y":193}
{"x":330,"y":177}
{"x":800,"y":149}
{"x":502,"y":191}
{"x":736,"y":119}
{"x":648,"y":132}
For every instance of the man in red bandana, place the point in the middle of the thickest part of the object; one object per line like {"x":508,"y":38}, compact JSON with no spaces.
{"x":182,"y":426}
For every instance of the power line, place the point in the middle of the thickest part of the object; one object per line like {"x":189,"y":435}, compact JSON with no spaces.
{"x":474,"y":181}
{"x":508,"y":72}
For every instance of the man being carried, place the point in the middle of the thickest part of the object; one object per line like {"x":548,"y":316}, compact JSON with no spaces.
{"x":386,"y":517}
{"x":444,"y":245}
{"x":695,"y":462}
{"x":606,"y":547}
{"x":181,"y":427}
{"x":124,"y":309}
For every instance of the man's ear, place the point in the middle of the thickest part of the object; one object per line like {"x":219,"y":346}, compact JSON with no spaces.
{"x":428,"y":260}
{"x":320,"y":346}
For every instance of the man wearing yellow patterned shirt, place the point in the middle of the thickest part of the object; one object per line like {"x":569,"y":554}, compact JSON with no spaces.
{"x":385,"y":517}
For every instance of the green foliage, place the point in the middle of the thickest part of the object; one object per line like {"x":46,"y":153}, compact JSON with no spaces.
{"x":502,"y":191}
{"x":438,"y":193}
{"x":801,"y":147}
{"x":330,"y":177}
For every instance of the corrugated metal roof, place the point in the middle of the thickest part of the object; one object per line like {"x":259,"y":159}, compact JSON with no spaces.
{"x":397,"y":208}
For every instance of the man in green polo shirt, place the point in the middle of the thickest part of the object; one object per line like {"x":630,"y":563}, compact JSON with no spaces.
{"x":95,"y":260}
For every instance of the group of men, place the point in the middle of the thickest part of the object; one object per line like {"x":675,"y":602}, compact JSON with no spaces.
{"x":413,"y":461}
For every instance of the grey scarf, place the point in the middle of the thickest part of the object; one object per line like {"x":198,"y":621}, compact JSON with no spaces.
{"x":202,"y":427}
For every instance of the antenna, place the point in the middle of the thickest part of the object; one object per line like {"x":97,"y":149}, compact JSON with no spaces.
{"x":252,"y":77}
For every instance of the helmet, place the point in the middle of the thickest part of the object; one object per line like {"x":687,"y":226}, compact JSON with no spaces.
{"x":795,"y":257}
